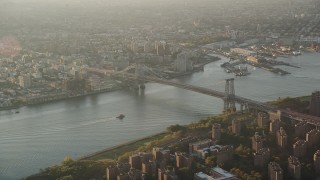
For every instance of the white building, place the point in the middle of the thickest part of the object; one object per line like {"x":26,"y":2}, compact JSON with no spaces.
{"x":215,"y":174}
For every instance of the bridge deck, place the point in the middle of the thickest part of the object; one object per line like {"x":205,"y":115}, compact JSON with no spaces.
{"x":202,"y":90}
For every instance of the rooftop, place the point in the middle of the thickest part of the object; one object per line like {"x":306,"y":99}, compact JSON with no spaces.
{"x":220,"y":174}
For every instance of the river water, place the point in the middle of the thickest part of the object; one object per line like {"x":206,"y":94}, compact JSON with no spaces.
{"x":42,"y":135}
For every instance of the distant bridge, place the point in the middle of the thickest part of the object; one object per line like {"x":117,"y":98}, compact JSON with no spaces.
{"x":228,"y":96}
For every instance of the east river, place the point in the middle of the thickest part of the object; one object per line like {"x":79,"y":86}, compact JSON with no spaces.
{"x":42,"y":135}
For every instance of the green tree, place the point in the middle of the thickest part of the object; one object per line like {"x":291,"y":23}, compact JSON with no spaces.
{"x":69,"y":177}
{"x":175,"y":128}
{"x":211,"y":161}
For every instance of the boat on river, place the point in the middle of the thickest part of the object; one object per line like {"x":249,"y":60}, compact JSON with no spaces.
{"x":121,"y":116}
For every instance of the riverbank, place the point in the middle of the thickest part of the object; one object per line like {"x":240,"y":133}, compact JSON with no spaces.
{"x":61,"y":97}
{"x":174,"y":136}
{"x":48,"y":99}
{"x":112,"y":152}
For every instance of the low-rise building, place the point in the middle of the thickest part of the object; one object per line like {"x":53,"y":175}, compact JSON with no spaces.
{"x":193,"y":147}
{"x":207,"y":151}
{"x":220,"y":45}
{"x":243,"y":52}
{"x":215,"y":174}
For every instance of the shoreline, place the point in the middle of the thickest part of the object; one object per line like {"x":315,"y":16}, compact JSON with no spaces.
{"x":91,"y":156}
{"x":106,"y":150}
{"x":195,"y":70}
{"x":60,"y":99}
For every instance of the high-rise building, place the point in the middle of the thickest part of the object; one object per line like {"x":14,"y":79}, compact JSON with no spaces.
{"x":183,"y":63}
{"x":300,"y":148}
{"x":274,"y":125}
{"x":135,"y":174}
{"x":146,"y":156}
{"x":312,"y":138}
{"x":225,"y":154}
{"x":166,"y":175}
{"x":262,"y":119}
{"x":183,"y":160}
{"x":112,"y":173}
{"x":160,"y":154}
{"x":316,"y":161}
{"x":216,"y":131}
{"x":294,"y":167}
{"x":274,"y":115}
{"x":300,"y":129}
{"x":315,"y":104}
{"x":123,"y":176}
{"x":282,"y":138}
{"x":236,"y":126}
{"x":118,"y":172}
{"x":149,"y":168}
{"x":274,"y":171}
{"x":257,"y":142}
{"x":261,"y":157}
{"x":135,"y":161}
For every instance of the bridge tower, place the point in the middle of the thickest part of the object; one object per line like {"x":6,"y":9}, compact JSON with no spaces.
{"x":139,"y":72}
{"x":229,"y":102}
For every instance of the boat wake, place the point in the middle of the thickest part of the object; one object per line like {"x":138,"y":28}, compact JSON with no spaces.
{"x":300,"y":76}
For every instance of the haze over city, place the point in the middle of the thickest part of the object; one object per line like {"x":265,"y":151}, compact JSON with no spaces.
{"x":159,"y":90}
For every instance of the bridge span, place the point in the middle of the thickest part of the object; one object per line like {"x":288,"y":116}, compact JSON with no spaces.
{"x":222,"y":95}
{"x":228,"y":96}
{"x":300,"y":117}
